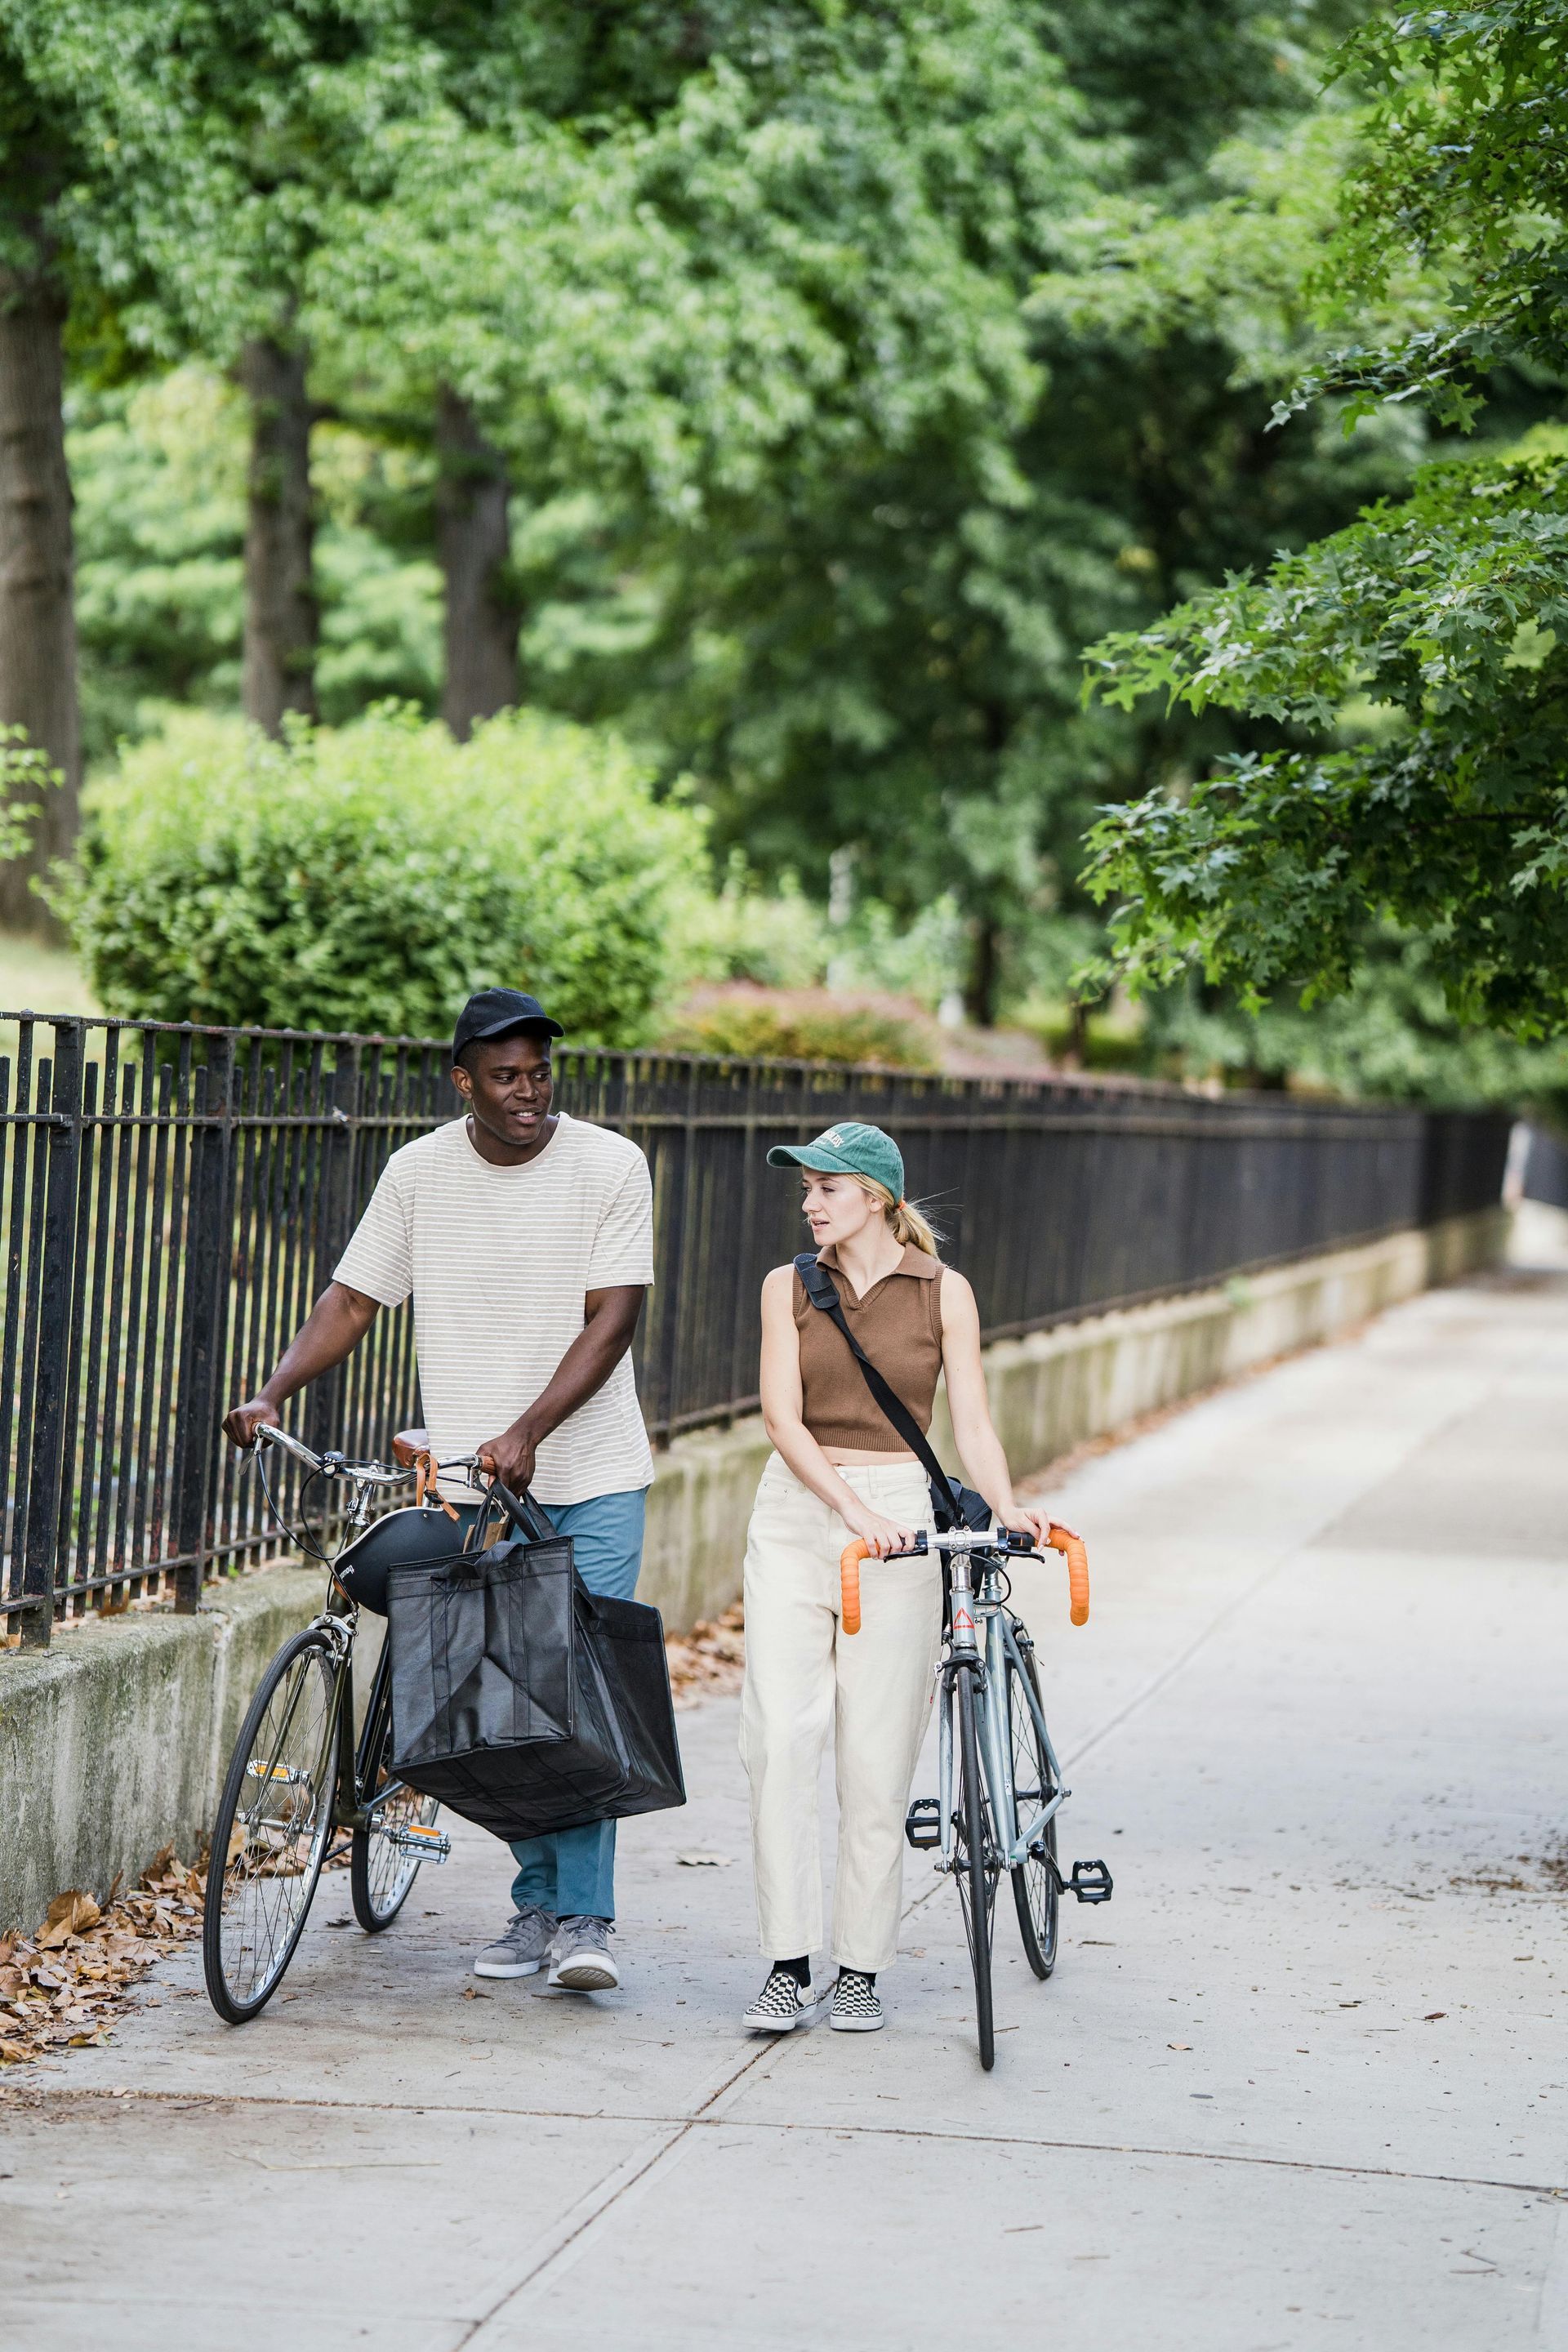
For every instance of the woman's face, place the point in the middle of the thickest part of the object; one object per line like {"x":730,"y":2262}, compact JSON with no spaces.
{"x":837,"y":1208}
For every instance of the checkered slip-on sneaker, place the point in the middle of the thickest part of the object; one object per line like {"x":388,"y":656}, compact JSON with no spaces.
{"x":782,"y":2004}
{"x":856,"y":2008}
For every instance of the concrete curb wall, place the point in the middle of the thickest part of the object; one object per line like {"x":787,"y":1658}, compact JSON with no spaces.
{"x":114,"y":1741}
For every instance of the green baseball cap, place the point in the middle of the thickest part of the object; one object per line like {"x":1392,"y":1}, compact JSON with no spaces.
{"x":851,"y":1148}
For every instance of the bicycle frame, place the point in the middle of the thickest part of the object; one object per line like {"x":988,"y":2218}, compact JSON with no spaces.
{"x":353,"y":1804}
{"x":981,"y":1637}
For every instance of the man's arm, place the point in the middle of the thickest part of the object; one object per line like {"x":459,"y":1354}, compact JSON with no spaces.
{"x":333,"y":1330}
{"x":609,"y":1322}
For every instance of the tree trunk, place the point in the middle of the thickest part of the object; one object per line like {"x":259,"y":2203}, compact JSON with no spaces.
{"x":980,"y":990}
{"x":38,"y":616}
{"x":473,"y":540}
{"x":282,"y":620}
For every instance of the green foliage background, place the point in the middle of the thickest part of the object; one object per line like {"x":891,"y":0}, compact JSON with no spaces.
{"x":854,"y":371}
{"x":370,"y":878}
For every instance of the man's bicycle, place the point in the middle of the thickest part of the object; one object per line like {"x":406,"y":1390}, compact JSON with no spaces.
{"x":298,"y":1774}
{"x":999,"y":1784}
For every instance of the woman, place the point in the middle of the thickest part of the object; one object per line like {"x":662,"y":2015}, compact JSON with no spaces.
{"x":841,"y":1470}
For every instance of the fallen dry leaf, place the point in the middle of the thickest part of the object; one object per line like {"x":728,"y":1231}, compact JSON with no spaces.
{"x":1178,"y":2045}
{"x":1433,"y":2015}
{"x":709,"y":1660}
{"x":69,"y":1914}
{"x":62,"y":1988}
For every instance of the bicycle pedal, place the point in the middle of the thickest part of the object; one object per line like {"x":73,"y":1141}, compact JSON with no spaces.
{"x":430,"y":1846}
{"x":922,"y":1824}
{"x":1091,"y":1882}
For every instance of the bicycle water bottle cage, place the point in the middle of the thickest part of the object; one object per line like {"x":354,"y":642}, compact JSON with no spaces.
{"x":922,"y":1824}
{"x":1091,"y":1882}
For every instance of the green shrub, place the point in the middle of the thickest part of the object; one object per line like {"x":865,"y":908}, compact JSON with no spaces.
{"x":369,"y":877}
{"x":760,"y":1028}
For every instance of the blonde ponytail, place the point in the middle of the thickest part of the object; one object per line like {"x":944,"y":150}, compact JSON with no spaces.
{"x":911,"y":1228}
{"x":908,"y":1224}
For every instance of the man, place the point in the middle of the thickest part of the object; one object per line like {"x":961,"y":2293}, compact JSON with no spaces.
{"x":526,"y":1238}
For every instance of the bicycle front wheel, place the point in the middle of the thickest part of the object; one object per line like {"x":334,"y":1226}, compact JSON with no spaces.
{"x":382,"y":1869}
{"x":1036,"y":1893}
{"x":274,"y":1820}
{"x":976,"y":1860}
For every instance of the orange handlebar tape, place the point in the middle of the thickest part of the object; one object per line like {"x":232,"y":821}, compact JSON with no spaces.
{"x":849,"y":1561}
{"x":1077,"y":1570}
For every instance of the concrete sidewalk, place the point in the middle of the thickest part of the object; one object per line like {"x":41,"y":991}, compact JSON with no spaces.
{"x":1302,"y":2083}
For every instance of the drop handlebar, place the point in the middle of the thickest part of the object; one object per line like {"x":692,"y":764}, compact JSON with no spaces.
{"x":1060,"y":1539}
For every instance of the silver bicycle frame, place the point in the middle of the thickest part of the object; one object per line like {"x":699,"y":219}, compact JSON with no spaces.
{"x":981,"y":1627}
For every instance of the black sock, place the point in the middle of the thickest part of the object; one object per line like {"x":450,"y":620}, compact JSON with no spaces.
{"x":799,"y":1969}
{"x":866,"y":1976}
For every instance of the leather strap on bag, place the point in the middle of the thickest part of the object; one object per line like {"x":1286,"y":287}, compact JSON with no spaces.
{"x":954,"y":1505}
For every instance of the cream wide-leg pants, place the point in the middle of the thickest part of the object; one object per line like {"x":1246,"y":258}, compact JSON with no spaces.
{"x":873,"y":1689}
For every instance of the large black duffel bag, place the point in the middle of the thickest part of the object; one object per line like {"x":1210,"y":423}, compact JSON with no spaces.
{"x":519,"y":1698}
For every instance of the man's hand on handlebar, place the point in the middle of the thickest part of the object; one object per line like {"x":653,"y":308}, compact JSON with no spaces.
{"x":883,"y":1535}
{"x":509,"y":1457}
{"x":240,"y":1425}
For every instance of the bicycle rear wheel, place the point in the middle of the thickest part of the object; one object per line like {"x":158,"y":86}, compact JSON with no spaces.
{"x":274,"y":1820}
{"x":1036,"y":1893}
{"x":976,"y":1860}
{"x":381,"y":1870}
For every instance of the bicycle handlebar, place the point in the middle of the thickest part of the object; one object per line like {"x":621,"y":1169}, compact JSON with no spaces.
{"x":966,"y":1539}
{"x":1072,"y":1550}
{"x":336,"y":1466}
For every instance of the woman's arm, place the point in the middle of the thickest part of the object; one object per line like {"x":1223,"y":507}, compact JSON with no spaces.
{"x":979,"y":1447}
{"x":782,"y":1399}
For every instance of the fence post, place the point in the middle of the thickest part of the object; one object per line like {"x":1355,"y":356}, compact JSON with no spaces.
{"x":324,"y":1401}
{"x":204,"y":1319}
{"x":45,"y":1502}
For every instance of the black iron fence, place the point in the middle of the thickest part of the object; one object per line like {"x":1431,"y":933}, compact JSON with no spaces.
{"x":171,"y":1200}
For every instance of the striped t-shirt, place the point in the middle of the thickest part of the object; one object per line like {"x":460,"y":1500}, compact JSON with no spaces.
{"x":499,"y":1261}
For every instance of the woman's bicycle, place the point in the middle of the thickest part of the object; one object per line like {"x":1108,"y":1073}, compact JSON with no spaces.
{"x":298,"y":1774}
{"x":999,"y":1784}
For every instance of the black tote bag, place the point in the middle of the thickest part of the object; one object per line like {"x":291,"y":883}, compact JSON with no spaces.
{"x":483,"y":1654}
{"x":619,"y":1754}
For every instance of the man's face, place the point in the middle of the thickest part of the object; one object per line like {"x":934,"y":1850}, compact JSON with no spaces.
{"x":507,"y":1083}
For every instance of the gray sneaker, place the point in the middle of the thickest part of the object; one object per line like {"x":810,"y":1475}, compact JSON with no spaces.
{"x":579,"y":1958}
{"x":520,"y":1950}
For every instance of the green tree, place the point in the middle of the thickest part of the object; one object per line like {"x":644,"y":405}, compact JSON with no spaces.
{"x":815,"y":494}
{"x":158,"y":470}
{"x":1411,"y":669}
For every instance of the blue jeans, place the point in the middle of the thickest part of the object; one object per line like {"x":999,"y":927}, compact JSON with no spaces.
{"x":571,"y":1873}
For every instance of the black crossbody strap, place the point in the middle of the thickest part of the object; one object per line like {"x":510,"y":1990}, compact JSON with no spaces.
{"x":818,"y":1285}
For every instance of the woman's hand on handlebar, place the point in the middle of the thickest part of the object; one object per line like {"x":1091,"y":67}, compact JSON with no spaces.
{"x":881,"y":1535}
{"x":1038,"y":1524}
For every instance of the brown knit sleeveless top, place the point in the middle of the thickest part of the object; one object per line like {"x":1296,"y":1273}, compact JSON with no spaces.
{"x":899,"y":1324}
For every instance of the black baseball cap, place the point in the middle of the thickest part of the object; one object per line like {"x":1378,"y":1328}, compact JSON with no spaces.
{"x":494,"y":1011}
